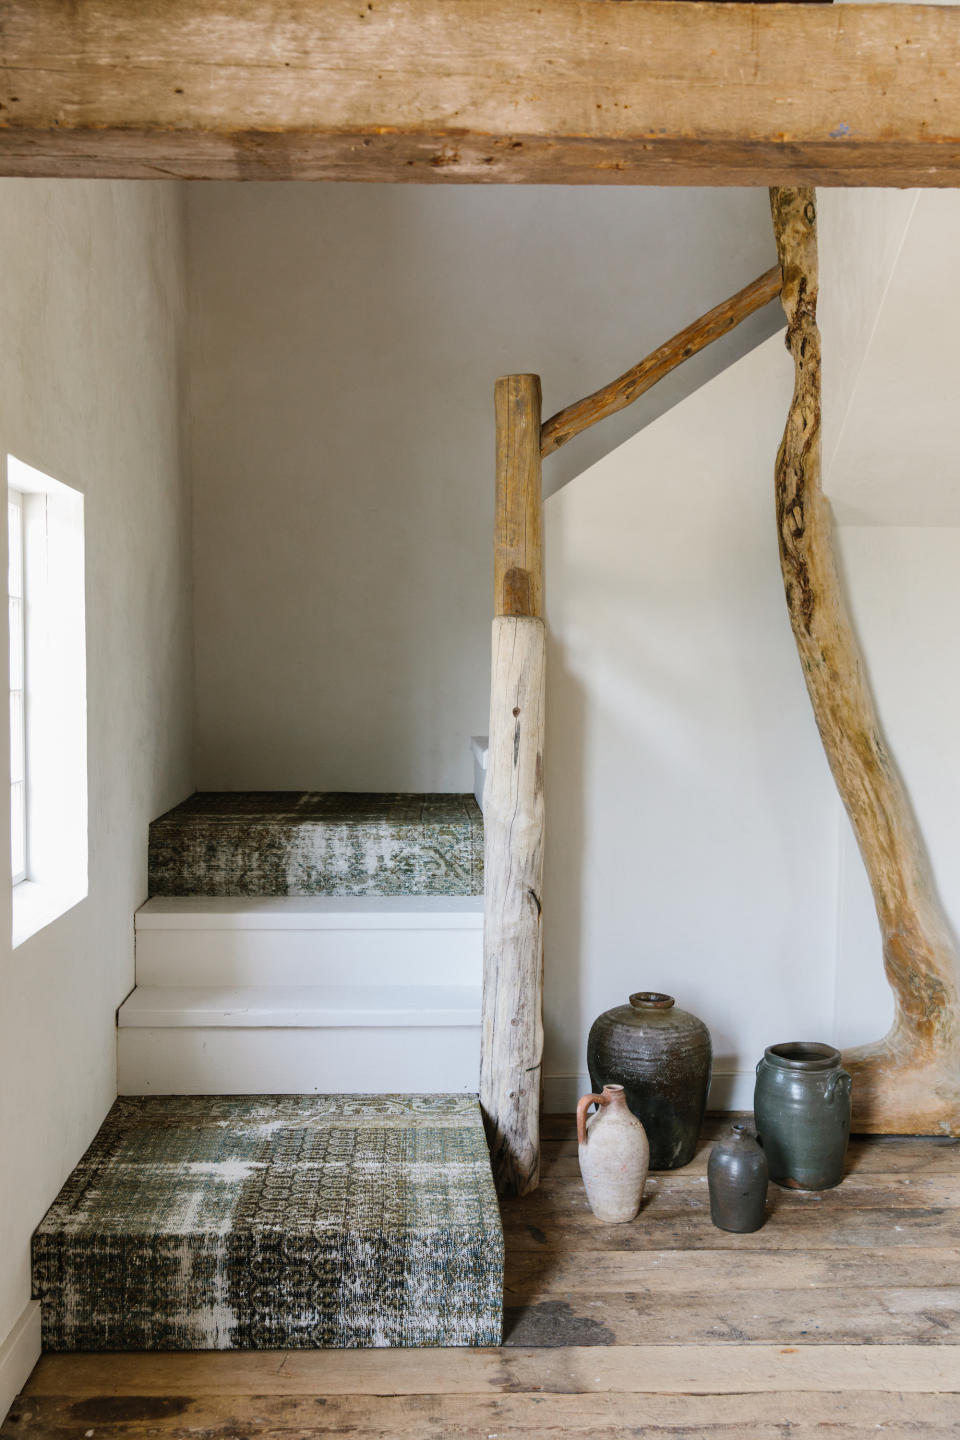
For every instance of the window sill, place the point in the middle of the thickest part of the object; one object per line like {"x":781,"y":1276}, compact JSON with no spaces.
{"x":36,"y":906}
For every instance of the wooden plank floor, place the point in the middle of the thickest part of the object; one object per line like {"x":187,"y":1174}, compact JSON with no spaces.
{"x":840,"y":1319}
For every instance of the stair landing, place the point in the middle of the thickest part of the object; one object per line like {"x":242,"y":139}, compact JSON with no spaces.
{"x":269,"y":843}
{"x":276,"y":1222}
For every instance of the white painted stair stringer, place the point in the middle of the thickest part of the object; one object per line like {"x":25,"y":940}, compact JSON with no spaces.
{"x":323,"y":994}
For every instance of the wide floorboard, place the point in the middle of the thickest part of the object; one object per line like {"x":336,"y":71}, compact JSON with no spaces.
{"x":839,"y":1319}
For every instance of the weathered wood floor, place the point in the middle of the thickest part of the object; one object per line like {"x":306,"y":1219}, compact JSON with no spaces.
{"x":840,"y":1319}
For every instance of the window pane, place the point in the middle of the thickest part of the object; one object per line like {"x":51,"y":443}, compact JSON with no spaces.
{"x":16,"y":737}
{"x":16,"y":643}
{"x":18,"y":858}
{"x":15,"y":524}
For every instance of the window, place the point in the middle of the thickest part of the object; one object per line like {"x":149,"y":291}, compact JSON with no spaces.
{"x":18,"y":731}
{"x":48,"y":706}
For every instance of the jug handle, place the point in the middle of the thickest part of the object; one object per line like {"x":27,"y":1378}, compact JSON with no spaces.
{"x":836,"y":1081}
{"x":583,"y":1105}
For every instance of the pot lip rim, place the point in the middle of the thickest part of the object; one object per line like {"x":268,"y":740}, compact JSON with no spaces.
{"x":651,"y":1000}
{"x":819,"y":1056}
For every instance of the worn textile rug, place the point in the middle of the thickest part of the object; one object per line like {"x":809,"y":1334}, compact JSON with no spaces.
{"x":268,"y":1222}
{"x":293,"y":843}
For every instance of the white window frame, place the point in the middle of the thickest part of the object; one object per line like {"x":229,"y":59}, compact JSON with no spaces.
{"x":55,"y":704}
{"x":16,"y":597}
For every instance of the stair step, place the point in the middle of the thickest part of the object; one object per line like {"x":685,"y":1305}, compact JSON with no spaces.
{"x":315,"y":940}
{"x":300,"y":1006}
{"x":275,"y":843}
{"x":303,"y":1039}
{"x":271,"y":1222}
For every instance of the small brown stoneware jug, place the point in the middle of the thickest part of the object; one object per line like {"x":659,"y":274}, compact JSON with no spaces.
{"x":614,"y":1156}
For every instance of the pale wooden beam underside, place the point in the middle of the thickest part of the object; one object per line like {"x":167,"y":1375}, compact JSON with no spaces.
{"x":909,"y":1081}
{"x":577,"y":91}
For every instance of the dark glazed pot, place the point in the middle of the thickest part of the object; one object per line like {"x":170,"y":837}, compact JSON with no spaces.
{"x":802,"y":1108}
{"x":737,"y":1176}
{"x":662,"y":1058}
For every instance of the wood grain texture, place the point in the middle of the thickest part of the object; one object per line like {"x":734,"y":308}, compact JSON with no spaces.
{"x":518,"y":520}
{"x":573,"y":419}
{"x":751,"y":1416}
{"x":575,"y":1369}
{"x":577,"y":91}
{"x":909,"y":1081}
{"x":511,"y":1046}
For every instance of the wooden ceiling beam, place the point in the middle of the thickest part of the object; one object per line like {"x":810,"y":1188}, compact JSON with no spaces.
{"x":531,"y":91}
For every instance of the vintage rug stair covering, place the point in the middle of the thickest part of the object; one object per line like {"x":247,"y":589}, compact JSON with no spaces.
{"x":271,"y":1222}
{"x":326,"y":843}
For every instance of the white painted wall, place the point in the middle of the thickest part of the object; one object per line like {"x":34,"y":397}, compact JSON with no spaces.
{"x":92,"y":296}
{"x":344,"y":344}
{"x":692,"y":841}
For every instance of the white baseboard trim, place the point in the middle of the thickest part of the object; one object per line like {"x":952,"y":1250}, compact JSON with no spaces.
{"x":729,"y":1090}
{"x":18,"y":1355}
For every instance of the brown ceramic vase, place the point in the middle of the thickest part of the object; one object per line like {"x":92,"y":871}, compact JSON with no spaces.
{"x":662,"y":1057}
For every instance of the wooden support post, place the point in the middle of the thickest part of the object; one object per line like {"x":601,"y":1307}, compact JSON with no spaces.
{"x":512,"y":1033}
{"x":909,"y":1082}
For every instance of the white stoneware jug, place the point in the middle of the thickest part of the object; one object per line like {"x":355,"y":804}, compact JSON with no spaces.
{"x":614,"y":1156}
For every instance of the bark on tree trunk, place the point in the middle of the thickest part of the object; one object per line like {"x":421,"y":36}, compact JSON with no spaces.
{"x":909,"y":1082}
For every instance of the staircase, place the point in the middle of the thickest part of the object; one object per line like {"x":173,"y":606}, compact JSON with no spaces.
{"x":297,"y":1157}
{"x":356,"y":966}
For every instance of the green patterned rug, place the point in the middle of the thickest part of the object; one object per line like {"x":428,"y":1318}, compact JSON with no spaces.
{"x":302,"y":843}
{"x":272,"y":1222}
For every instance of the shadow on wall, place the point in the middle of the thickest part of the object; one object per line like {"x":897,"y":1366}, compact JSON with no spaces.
{"x":565,"y":754}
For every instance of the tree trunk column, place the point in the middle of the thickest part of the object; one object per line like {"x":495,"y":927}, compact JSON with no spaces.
{"x":910,"y":1080}
{"x":512,"y":1031}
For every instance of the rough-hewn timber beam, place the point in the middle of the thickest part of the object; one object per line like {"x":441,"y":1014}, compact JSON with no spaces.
{"x":482,"y":90}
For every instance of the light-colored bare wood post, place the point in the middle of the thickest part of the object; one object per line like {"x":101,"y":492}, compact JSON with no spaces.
{"x":910,"y":1080}
{"x":512,"y":1032}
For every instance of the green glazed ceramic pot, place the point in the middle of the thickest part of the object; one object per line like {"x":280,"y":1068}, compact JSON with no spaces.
{"x":802,"y":1110}
{"x":661,"y":1055}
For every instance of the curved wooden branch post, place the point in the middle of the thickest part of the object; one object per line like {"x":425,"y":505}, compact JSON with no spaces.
{"x":512,"y":1033}
{"x":910,"y":1080}
{"x":619,"y":393}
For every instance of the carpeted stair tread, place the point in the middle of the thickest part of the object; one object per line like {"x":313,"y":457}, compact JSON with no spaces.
{"x":323,"y":843}
{"x":275,"y":1222}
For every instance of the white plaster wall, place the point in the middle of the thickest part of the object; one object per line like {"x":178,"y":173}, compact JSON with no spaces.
{"x":344,"y":344}
{"x":896,"y":460}
{"x":861,"y":232}
{"x":92,"y":295}
{"x":903,"y":584}
{"x":692,"y":841}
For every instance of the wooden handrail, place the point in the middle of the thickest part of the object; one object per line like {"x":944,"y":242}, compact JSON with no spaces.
{"x":620,"y":393}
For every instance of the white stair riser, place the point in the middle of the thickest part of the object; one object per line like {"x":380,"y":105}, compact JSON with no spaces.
{"x":214,"y":1061}
{"x":238,"y":957}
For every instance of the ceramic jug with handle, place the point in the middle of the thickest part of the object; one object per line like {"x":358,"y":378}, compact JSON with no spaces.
{"x":614,"y":1155}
